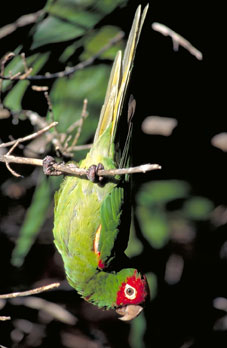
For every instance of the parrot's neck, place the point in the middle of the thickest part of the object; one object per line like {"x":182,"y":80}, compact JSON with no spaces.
{"x":103,"y":287}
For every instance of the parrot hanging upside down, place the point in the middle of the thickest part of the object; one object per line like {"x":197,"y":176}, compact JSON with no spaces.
{"x":92,"y":217}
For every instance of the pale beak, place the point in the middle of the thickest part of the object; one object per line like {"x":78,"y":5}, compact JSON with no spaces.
{"x":129,"y":312}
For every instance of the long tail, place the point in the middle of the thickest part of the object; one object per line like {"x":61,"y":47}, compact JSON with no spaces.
{"x":119,"y":79}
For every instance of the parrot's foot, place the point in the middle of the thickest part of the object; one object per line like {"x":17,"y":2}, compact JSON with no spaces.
{"x":48,"y":168}
{"x":92,"y":173}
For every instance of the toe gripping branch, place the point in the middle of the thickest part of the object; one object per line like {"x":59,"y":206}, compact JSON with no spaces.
{"x":48,"y":168}
{"x":92,"y":173}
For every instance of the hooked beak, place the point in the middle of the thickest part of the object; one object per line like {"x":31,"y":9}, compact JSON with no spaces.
{"x":129,"y":312}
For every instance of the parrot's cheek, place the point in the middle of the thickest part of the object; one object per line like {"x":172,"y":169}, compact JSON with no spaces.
{"x":129,"y":312}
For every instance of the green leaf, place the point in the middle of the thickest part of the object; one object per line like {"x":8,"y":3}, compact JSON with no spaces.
{"x":135,"y":246}
{"x":12,"y":68}
{"x":151,"y":212}
{"x":162,"y":192}
{"x":98,"y":39}
{"x":55,"y":3}
{"x":154,"y":226}
{"x":67,"y":97}
{"x":69,"y":8}
{"x":69,"y":51}
{"x":107,"y":6}
{"x":137,"y":331}
{"x":14,"y":97}
{"x":66,"y":21}
{"x":198,"y":208}
{"x":52,"y":30}
{"x":34,"y":219}
{"x":153,"y":284}
{"x":69,"y":20}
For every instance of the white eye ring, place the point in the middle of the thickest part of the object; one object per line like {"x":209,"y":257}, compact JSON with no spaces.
{"x":130,"y":292}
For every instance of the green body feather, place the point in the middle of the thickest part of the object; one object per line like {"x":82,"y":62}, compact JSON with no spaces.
{"x":81,"y":206}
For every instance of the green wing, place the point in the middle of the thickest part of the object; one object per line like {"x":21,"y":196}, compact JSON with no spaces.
{"x":111,"y":210}
{"x":111,"y":242}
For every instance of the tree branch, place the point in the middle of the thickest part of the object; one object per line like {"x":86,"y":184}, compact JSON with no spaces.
{"x":30,"y":136}
{"x":27,"y":293}
{"x":177,"y":39}
{"x":72,"y":169}
{"x":20,"y":22}
{"x":31,"y":292}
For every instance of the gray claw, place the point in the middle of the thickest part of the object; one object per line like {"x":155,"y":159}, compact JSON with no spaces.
{"x":48,"y":168}
{"x":92,"y":173}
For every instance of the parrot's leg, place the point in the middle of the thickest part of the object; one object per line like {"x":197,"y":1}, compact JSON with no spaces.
{"x":48,"y":168}
{"x":92,"y":173}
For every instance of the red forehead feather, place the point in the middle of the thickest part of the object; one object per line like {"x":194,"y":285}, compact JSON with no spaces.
{"x":140,"y":284}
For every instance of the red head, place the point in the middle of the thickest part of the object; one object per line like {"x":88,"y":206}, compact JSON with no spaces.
{"x":132,"y":293}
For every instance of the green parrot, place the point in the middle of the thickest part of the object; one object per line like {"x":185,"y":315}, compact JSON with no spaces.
{"x":92,"y":215}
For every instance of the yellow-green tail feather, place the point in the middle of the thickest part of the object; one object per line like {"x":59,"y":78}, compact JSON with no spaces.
{"x":119,"y":78}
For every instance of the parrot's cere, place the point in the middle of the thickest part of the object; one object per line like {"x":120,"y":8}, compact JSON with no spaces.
{"x":92,"y":216}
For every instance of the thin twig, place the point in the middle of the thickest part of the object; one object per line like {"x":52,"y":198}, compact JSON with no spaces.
{"x":16,"y":142}
{"x":39,"y":88}
{"x":132,"y":170}
{"x":81,"y":147}
{"x":21,"y":160}
{"x":20,"y":22}
{"x":27,"y":293}
{"x":7,"y":164}
{"x":50,"y":108}
{"x":56,"y":136}
{"x":70,"y":70}
{"x":80,"y":125}
{"x":4,"y":318}
{"x":15,"y":76}
{"x":27,"y":70}
{"x":52,"y":309}
{"x":71,"y":128}
{"x":31,"y":292}
{"x":177,"y":39}
{"x":83,"y":116}
{"x":24,"y":62}
{"x":5,"y":59}
{"x":23,"y":76}
{"x":61,"y":142}
{"x":30,"y":136}
{"x":34,"y":118}
{"x":41,"y":123}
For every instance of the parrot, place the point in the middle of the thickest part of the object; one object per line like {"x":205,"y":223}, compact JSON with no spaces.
{"x":92,"y":215}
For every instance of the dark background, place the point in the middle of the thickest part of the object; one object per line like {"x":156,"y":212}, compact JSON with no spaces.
{"x":166,"y":83}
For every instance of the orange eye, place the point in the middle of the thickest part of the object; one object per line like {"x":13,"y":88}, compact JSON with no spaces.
{"x":130,"y":292}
